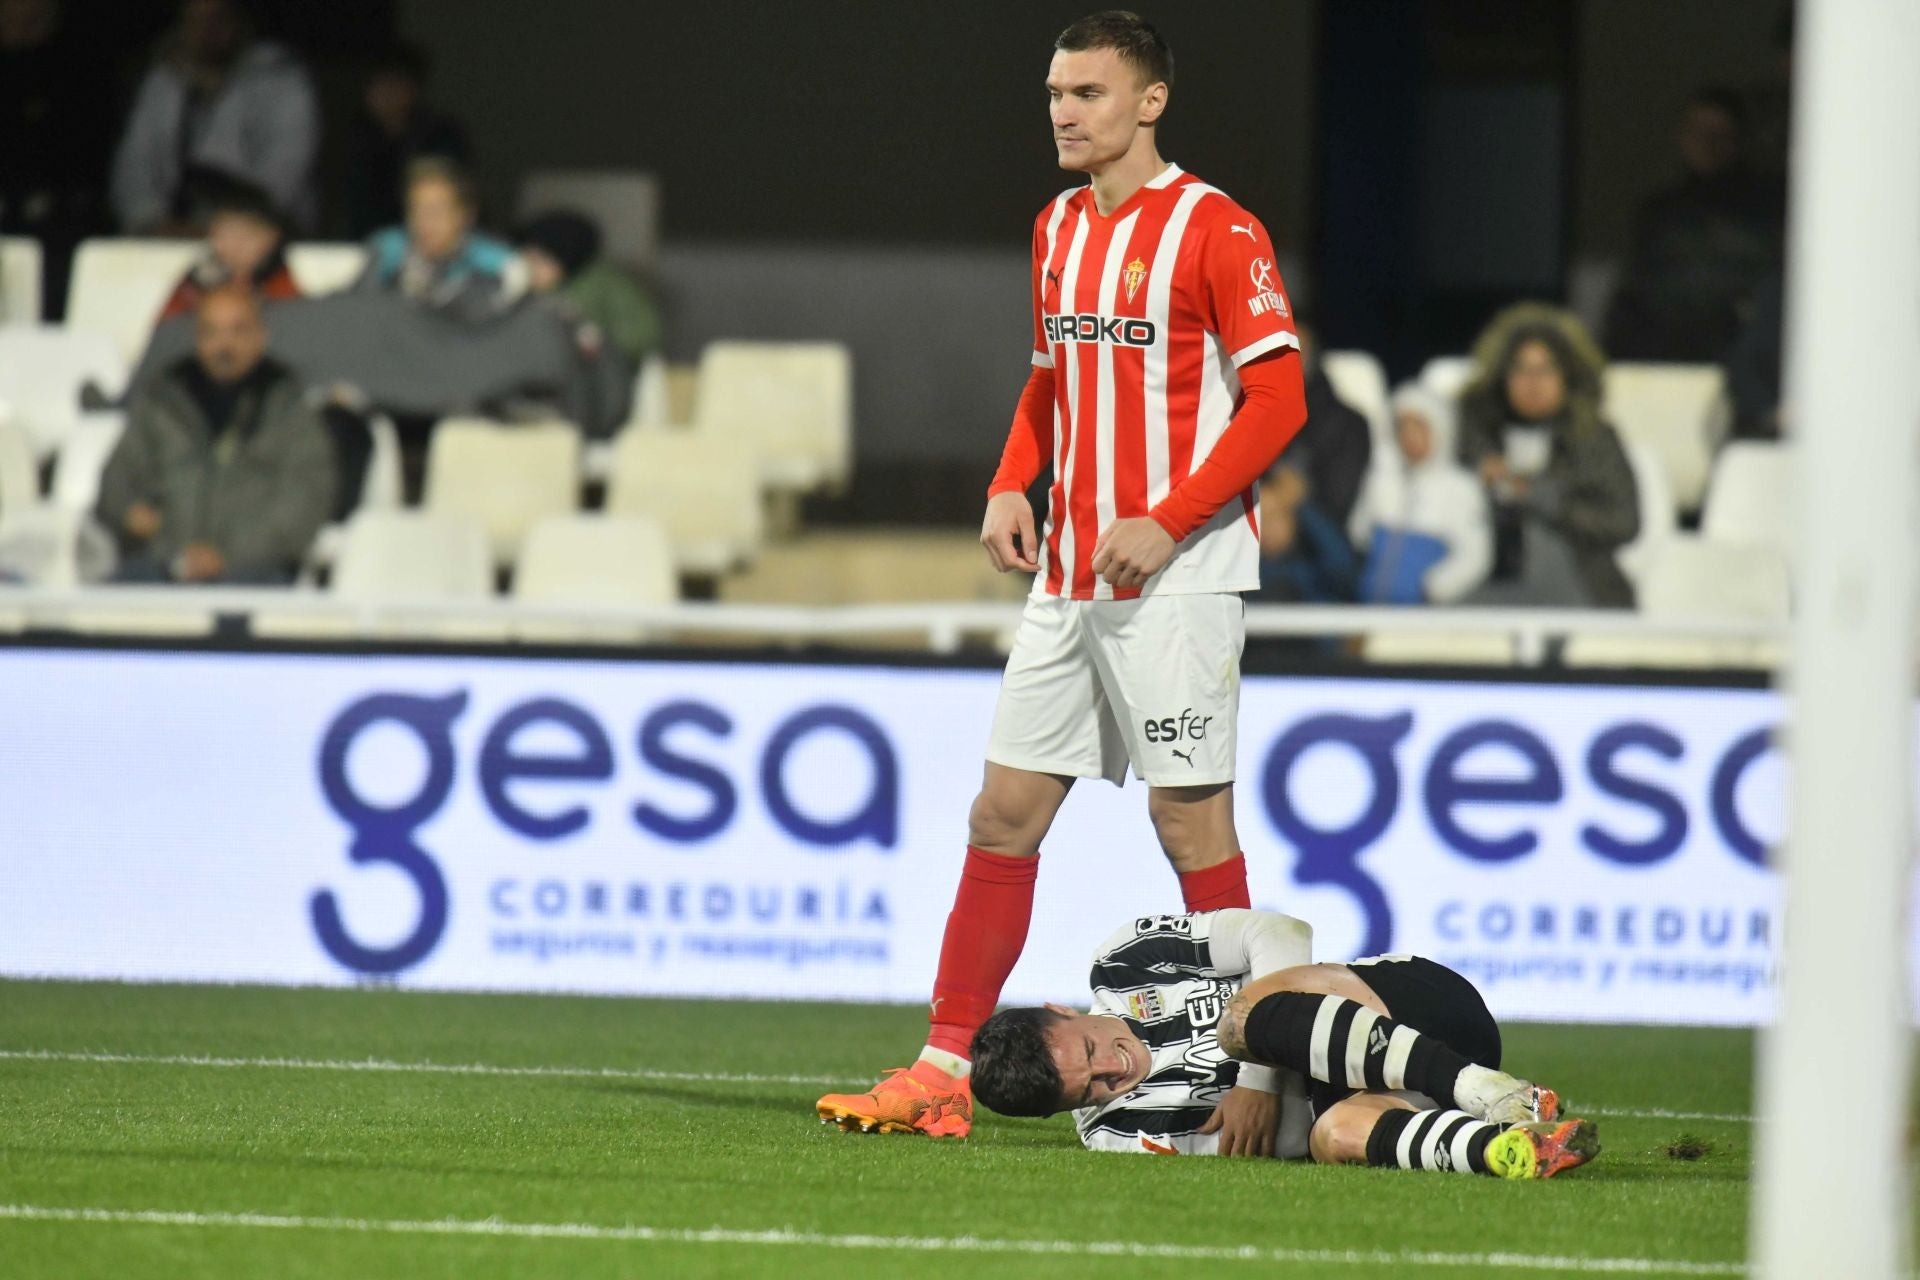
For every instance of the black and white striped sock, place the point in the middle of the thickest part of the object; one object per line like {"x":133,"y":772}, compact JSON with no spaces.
{"x":1343,"y":1043}
{"x":1450,"y":1141}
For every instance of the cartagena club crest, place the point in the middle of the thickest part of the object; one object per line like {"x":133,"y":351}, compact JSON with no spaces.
{"x":1135,"y":274}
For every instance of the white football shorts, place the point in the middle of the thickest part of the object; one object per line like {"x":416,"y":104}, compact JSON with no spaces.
{"x":1093,"y":685}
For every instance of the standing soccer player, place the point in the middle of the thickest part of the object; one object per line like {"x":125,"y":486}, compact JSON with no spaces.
{"x":1166,"y":379}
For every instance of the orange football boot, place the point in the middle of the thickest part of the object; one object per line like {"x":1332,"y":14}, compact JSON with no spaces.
{"x":917,"y":1099}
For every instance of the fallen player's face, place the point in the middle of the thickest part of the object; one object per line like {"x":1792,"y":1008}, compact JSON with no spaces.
{"x":1099,"y":1058}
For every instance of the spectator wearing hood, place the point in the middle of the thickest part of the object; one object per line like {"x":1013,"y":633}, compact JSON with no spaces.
{"x":246,"y":244}
{"x":216,"y":100}
{"x":1563,"y":492}
{"x":1422,"y":519}
{"x":562,"y":253}
{"x":439,"y":260}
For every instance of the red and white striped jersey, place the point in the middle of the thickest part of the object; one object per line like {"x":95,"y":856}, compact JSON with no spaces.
{"x":1145,"y":316}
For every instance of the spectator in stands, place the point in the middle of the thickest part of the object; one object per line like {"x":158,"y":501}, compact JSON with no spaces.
{"x":246,"y":244}
{"x":1422,"y":518}
{"x":1753,"y":366}
{"x":216,"y":99}
{"x":1308,"y":496}
{"x":562,"y":254}
{"x":55,"y":136}
{"x":224,"y":474}
{"x":1702,"y":247}
{"x":438,"y":259}
{"x":395,"y":126}
{"x":1563,"y":492}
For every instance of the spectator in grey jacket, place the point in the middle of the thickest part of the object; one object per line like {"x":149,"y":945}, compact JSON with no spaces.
{"x":1563,"y":494}
{"x":216,"y":99}
{"x":224,"y":474}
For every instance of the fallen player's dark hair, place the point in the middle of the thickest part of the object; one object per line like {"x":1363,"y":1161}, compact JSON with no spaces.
{"x":1136,"y":40}
{"x":1013,"y":1070}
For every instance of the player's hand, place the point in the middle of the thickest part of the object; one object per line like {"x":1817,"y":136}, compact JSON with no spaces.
{"x":1246,"y":1121}
{"x":201,"y":562}
{"x":1131,"y":551}
{"x":142,"y":521}
{"x":1007,"y":533}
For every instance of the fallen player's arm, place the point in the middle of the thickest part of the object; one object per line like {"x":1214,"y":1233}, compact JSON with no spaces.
{"x":1249,"y":1118}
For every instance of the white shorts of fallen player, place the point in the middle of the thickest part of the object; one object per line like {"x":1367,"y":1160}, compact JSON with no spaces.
{"x":1093,"y":685}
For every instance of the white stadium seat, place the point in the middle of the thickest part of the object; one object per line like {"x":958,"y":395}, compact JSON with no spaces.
{"x":20,"y":275}
{"x":1694,"y":578}
{"x":403,"y":556}
{"x":1658,"y":518}
{"x":83,"y":458}
{"x":1750,"y":500}
{"x":1447,"y":376}
{"x":19,"y":467}
{"x":624,"y":202}
{"x":319,"y":267}
{"x":119,"y":287}
{"x":506,"y":475}
{"x":792,"y":402}
{"x":593,"y":560}
{"x":1360,"y":381}
{"x":43,"y":368}
{"x":1442,"y":648}
{"x":704,"y":492}
{"x":1680,"y":411}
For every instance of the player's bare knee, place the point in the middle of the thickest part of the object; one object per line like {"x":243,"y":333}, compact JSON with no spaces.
{"x":999,"y":824}
{"x":1338,"y":1137}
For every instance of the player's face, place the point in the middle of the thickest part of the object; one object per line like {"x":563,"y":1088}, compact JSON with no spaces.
{"x":1098,"y":107}
{"x":1098,"y":1058}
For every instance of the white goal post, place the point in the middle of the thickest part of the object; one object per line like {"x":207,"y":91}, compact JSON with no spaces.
{"x":1832,"y":1196}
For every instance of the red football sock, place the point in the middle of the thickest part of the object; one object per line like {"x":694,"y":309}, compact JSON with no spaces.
{"x":985,"y":933}
{"x":1224,"y":884}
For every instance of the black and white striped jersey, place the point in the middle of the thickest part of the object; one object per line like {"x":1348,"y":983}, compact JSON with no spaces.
{"x":1171,"y":977}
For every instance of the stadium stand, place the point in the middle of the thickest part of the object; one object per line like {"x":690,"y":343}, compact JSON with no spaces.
{"x":792,"y":402}
{"x":1751,"y":497}
{"x":703,"y":491}
{"x":592,"y":561}
{"x":1444,"y":648}
{"x":1680,"y":411}
{"x":19,"y":468}
{"x":1447,"y":376}
{"x":1695,"y":578}
{"x":1658,"y":516}
{"x":508,"y":476}
{"x":1360,"y":381}
{"x":20,"y":287}
{"x":82,"y":458}
{"x":42,"y":371}
{"x":119,"y":286}
{"x":322,"y":268}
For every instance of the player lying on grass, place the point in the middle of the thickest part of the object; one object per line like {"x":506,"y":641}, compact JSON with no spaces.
{"x":1179,"y":1052}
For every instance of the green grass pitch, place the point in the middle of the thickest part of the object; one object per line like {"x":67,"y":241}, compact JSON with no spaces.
{"x":677,"y":1139}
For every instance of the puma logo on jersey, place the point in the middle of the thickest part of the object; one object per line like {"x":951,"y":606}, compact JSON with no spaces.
{"x":1054,"y":276}
{"x":1377,"y":1042}
{"x":1184,"y":755}
{"x":1246,"y":231}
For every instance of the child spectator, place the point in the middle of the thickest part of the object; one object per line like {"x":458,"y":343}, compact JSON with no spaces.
{"x":246,"y":244}
{"x":438,"y":259}
{"x":562,"y":253}
{"x":1422,"y":518}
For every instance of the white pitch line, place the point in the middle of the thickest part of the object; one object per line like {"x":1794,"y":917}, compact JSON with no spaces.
{"x":592,"y":1073}
{"x":916,"y":1244}
{"x":421,"y":1068}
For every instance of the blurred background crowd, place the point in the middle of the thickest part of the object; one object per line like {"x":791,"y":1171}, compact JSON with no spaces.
{"x":1536,"y":247}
